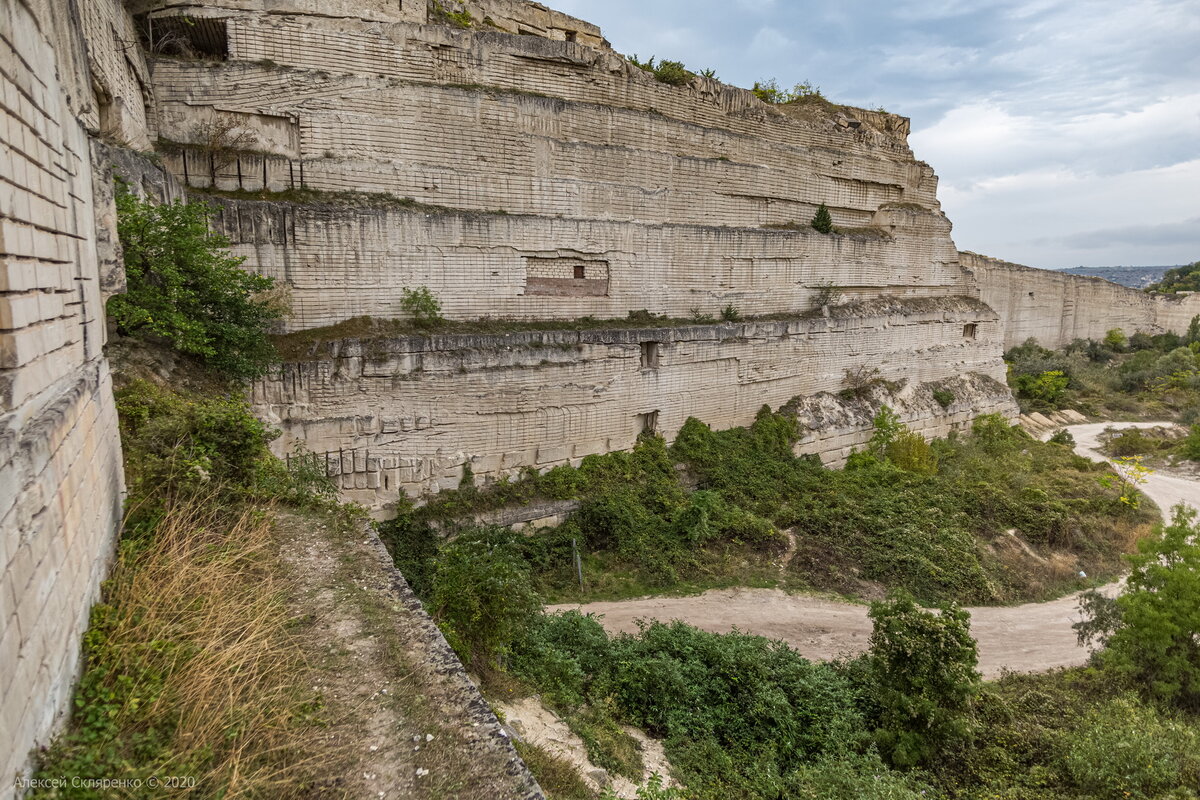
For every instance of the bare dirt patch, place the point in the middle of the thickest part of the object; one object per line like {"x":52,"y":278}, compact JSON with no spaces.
{"x":539,"y":726}
{"x":396,"y":704}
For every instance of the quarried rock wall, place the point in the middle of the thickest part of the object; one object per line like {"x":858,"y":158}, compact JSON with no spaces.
{"x":63,"y":74}
{"x":404,"y":416}
{"x":1057,"y":307}
{"x":340,"y":262}
{"x":601,"y":189}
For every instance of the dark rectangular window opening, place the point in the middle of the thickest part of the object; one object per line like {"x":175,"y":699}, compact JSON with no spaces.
{"x":650,"y":352}
{"x":572,"y":36}
{"x":648,"y":423}
{"x":580,"y":272}
{"x":969,"y":330}
{"x":186,"y":37}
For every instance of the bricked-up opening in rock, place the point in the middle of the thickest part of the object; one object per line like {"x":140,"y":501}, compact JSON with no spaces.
{"x":970,"y":330}
{"x":650,"y":352}
{"x":648,"y":423}
{"x":185,"y":37}
{"x":565,"y":277}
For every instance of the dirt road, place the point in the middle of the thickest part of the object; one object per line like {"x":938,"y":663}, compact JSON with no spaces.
{"x":1027,"y":638}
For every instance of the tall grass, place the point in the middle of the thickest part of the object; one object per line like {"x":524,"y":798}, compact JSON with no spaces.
{"x":190,"y":669}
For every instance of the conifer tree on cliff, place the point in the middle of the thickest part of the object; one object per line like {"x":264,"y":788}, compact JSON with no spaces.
{"x":822,"y":222}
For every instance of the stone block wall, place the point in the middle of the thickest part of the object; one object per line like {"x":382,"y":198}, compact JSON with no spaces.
{"x":63,"y":74}
{"x":405,"y":415}
{"x":1058,"y":307}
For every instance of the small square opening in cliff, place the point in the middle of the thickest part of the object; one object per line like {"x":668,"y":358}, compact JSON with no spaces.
{"x":648,"y":423}
{"x":650,"y":352}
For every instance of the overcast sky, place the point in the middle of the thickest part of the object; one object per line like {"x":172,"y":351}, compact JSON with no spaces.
{"x":1064,"y":133}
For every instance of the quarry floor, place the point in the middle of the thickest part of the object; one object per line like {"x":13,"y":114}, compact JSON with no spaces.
{"x":1026,"y":638}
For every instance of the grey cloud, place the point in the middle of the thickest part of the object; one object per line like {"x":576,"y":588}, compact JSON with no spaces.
{"x":1185,"y":233}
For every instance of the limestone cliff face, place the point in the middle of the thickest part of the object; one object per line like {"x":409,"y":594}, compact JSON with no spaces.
{"x":544,"y":176}
{"x":616,"y":191}
{"x":1057,"y":307}
{"x":60,"y":459}
{"x":405,"y":415}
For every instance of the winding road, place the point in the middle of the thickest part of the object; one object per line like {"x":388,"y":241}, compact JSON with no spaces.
{"x":1027,"y":638}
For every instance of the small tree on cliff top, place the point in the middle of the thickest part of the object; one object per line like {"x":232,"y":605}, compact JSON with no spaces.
{"x":822,"y":222}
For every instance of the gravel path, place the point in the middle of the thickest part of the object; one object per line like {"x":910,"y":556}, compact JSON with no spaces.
{"x":1026,"y":638}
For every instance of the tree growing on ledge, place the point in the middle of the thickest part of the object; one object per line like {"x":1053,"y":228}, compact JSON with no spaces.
{"x":185,"y":287}
{"x":822,"y":222}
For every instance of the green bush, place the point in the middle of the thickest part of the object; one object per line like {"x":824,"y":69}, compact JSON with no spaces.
{"x":669,"y":72}
{"x":943,"y":397}
{"x":909,"y":451}
{"x":178,"y":444}
{"x":924,"y":679}
{"x":414,"y":547}
{"x":1047,"y":388}
{"x":1189,"y":448}
{"x":421,"y":305}
{"x":1127,"y":750}
{"x":482,"y":596}
{"x":822,"y":221}
{"x":769,"y":91}
{"x":1158,"y":641}
{"x":1179,"y":279}
{"x":851,"y":777}
{"x":1131,"y":442}
{"x":174,"y":440}
{"x":673,"y":73}
{"x":608,"y":745}
{"x":736,"y":711}
{"x":183,"y":286}
{"x":1116,"y":340}
{"x":1063,"y":437}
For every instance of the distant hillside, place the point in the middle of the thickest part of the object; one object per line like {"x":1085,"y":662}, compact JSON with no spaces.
{"x":1133,"y":277}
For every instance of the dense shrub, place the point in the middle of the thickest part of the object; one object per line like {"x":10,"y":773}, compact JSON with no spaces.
{"x":673,"y":73}
{"x":1158,"y":640}
{"x":924,"y":679}
{"x":769,"y":91}
{"x":421,"y":306}
{"x":904,"y":513}
{"x":1047,"y":388}
{"x":739,"y":713}
{"x":1189,"y":448}
{"x":177,"y":439}
{"x":482,"y":596}
{"x":1179,"y":279}
{"x":1116,"y":340}
{"x":1126,"y":750}
{"x":183,"y":286}
{"x":1131,"y":442}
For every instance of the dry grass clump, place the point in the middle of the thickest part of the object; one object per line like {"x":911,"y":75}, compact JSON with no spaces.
{"x":191,"y":670}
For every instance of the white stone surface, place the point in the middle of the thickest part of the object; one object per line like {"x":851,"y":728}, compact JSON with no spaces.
{"x":60,"y":461}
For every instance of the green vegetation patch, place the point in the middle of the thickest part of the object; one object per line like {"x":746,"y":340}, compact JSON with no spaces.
{"x":1179,"y":279}
{"x":185,"y":288}
{"x":930,"y":518}
{"x":1140,"y":376}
